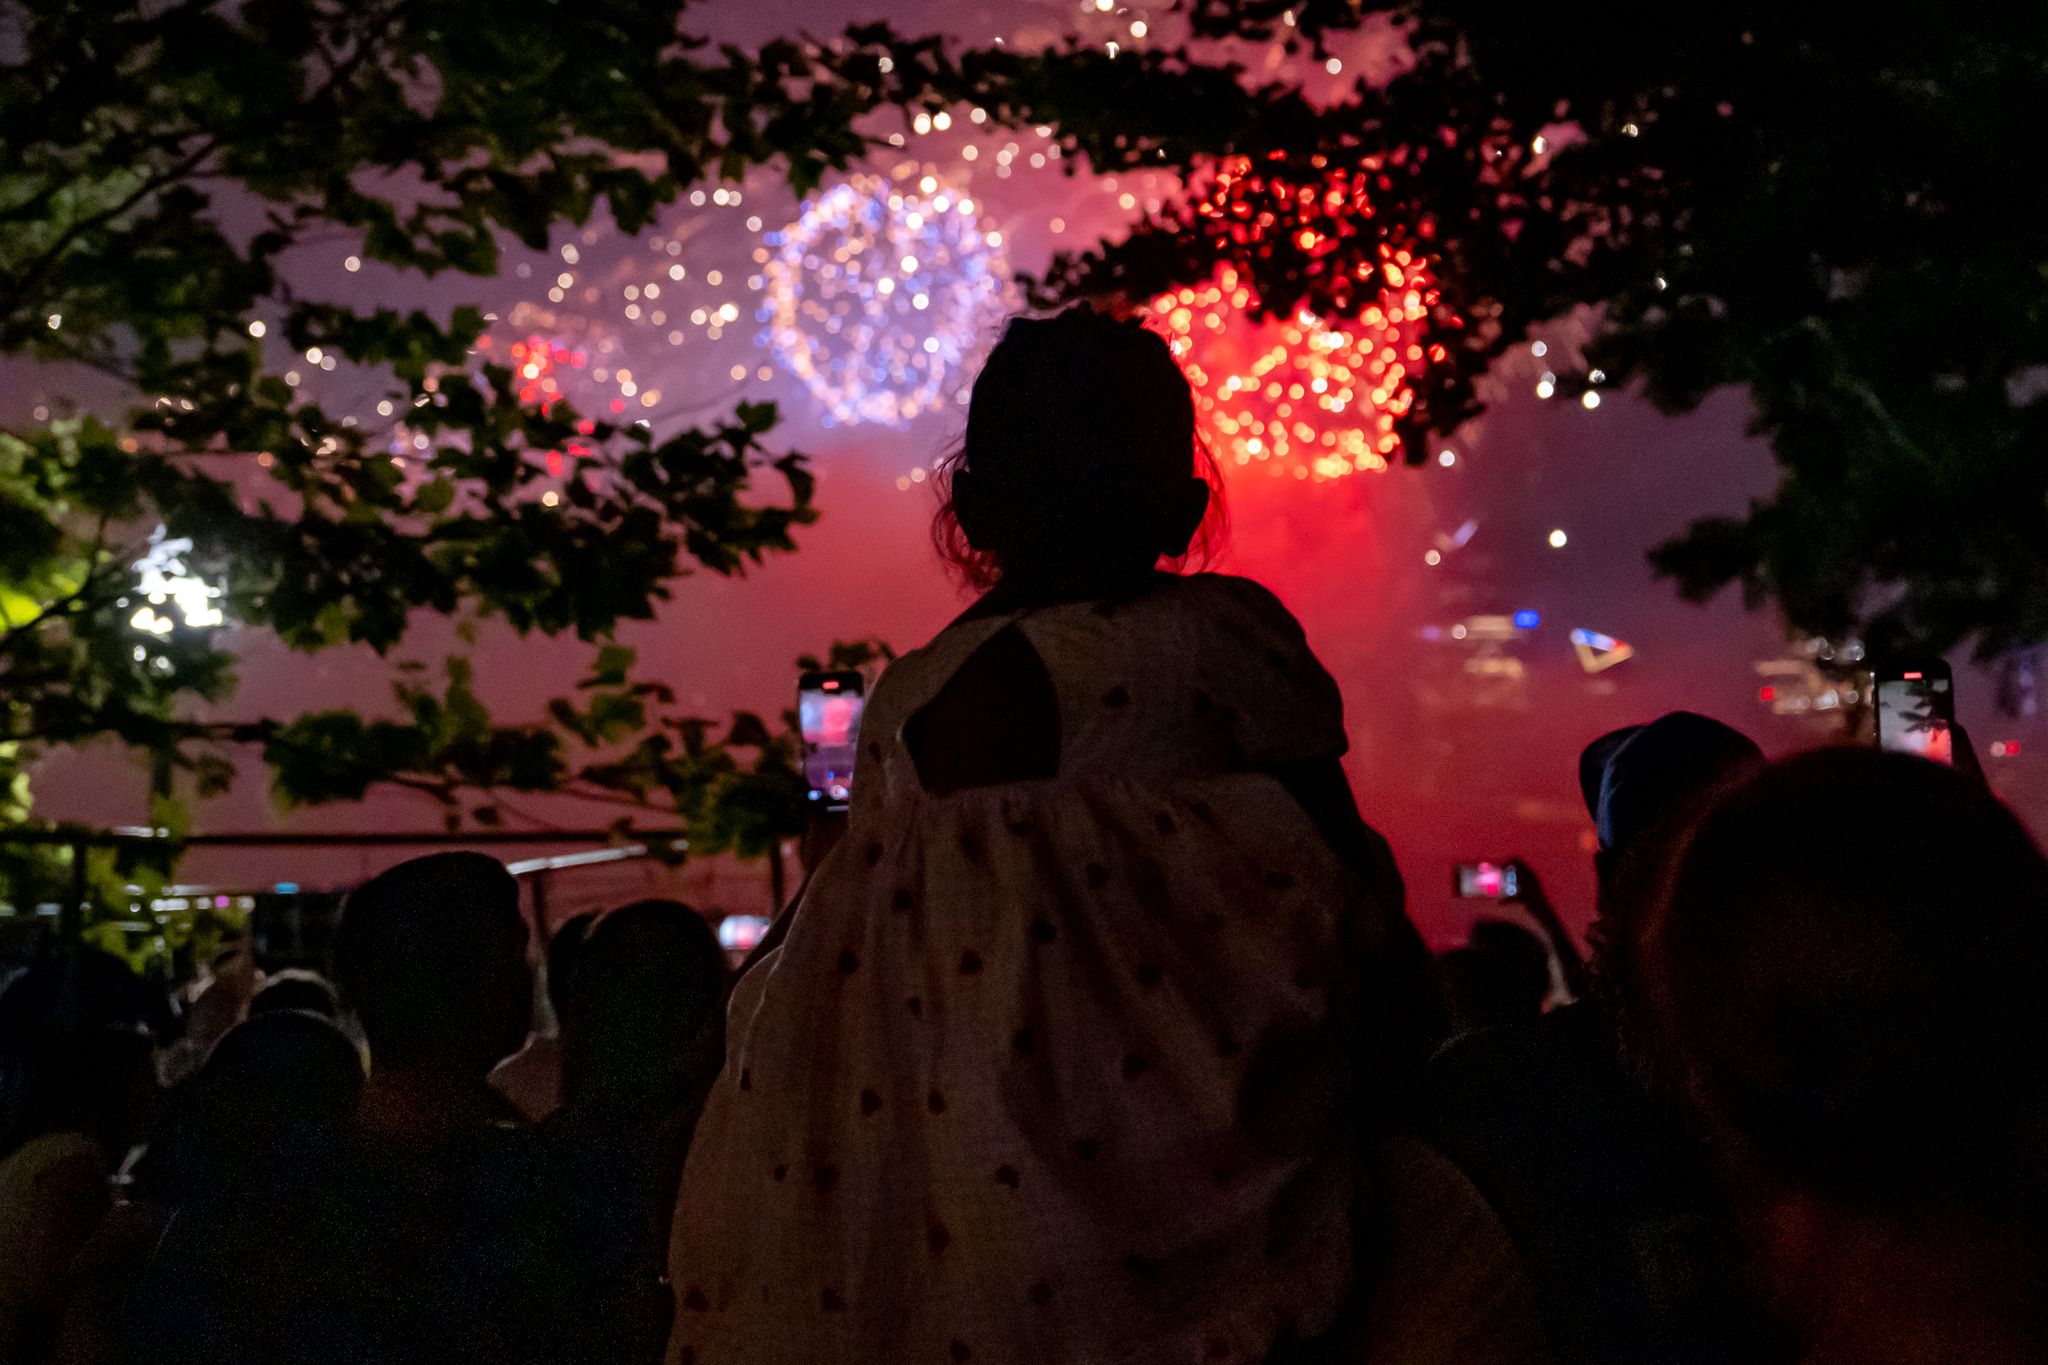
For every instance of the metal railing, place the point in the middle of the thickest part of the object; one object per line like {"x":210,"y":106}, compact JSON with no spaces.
{"x":618,"y":844}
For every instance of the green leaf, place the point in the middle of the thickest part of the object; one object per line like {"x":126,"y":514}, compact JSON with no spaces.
{"x":757,"y":418}
{"x":332,"y":623}
{"x":434,"y":497}
{"x":747,"y":731}
{"x":614,"y":662}
{"x":18,"y":608}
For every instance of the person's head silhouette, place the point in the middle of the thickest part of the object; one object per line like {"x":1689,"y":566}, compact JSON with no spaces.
{"x":644,"y":1013}
{"x":560,"y":961}
{"x":431,"y":956}
{"x":78,"y":1030}
{"x":1500,"y":977}
{"x":1846,"y":984}
{"x":1644,"y":785}
{"x":296,"y":989}
{"x":1080,"y":462}
{"x":274,"y":1090}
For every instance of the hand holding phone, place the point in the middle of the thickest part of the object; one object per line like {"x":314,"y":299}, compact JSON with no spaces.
{"x":1571,"y":962}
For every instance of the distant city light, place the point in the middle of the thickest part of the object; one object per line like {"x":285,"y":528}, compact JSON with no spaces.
{"x":742,"y":933}
{"x":176,"y":595}
{"x":1597,"y":652}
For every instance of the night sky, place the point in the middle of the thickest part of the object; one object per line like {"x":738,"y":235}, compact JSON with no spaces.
{"x":1449,"y":763}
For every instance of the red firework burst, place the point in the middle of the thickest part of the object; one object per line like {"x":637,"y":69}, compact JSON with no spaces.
{"x":540,"y":365}
{"x":1306,"y":396}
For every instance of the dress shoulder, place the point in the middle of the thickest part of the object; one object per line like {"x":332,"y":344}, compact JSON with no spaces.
{"x":1255,"y":657}
{"x":1245,"y":604}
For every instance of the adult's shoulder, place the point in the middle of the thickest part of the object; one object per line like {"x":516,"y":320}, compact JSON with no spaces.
{"x":1542,"y":1086}
{"x":58,"y":1151}
{"x":1565,"y":1039}
{"x":1477,"y":1060}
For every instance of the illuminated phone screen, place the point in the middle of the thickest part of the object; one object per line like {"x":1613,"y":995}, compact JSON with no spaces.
{"x":829,"y":711}
{"x":1487,"y":881}
{"x":741,"y":933}
{"x":1915,"y":715}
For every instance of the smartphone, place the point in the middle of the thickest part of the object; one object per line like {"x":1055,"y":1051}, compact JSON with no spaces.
{"x":828,"y":708}
{"x":1486,"y":881}
{"x":1916,"y":709}
{"x":741,"y":933}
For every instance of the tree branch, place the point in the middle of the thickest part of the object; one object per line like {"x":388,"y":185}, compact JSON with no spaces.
{"x":98,"y":560}
{"x":18,"y":287}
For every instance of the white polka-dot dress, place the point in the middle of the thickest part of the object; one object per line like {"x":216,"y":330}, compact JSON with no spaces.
{"x":1046,"y":1071}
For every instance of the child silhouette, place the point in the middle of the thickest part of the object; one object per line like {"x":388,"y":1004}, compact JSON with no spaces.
{"x":1069,"y":1046}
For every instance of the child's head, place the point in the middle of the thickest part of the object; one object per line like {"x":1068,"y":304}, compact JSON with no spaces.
{"x":1080,"y":457}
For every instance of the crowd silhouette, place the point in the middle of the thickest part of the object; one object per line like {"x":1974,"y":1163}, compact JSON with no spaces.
{"x":1100,"y":1034}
